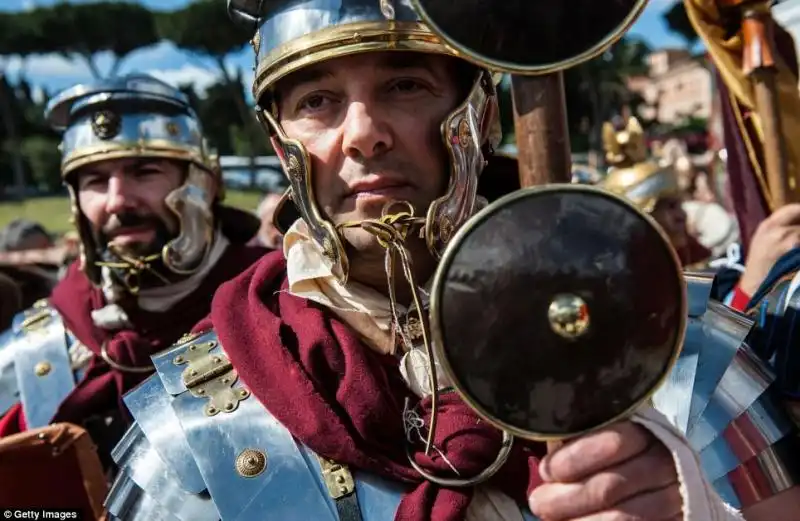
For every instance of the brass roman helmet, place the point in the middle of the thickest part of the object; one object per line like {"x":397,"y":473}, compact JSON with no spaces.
{"x":631,"y":173}
{"x":142,"y":117}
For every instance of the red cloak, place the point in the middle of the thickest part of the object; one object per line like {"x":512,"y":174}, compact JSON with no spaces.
{"x":345,"y":401}
{"x":102,"y":387}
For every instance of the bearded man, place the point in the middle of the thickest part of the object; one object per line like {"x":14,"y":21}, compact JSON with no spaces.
{"x":155,"y":243}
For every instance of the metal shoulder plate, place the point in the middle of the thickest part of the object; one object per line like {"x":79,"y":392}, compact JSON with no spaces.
{"x":202,"y":448}
{"x":35,"y":365}
{"x":777,"y":333}
{"x":722,"y":396}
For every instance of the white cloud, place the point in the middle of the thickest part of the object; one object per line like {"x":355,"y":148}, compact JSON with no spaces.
{"x":200,"y":77}
{"x":45,"y":65}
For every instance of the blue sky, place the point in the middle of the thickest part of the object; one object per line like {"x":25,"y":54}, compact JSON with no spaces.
{"x":53,"y":72}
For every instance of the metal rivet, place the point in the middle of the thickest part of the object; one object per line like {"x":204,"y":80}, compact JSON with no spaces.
{"x":226,"y":380}
{"x":216,"y":359}
{"x":42,"y":368}
{"x":230,"y":406}
{"x":178,"y":360}
{"x":193,"y":372}
{"x":201,"y":391}
{"x":244,"y":393}
{"x":251,"y":462}
{"x":212,"y":410}
{"x":344,"y":490}
{"x":340,"y":479}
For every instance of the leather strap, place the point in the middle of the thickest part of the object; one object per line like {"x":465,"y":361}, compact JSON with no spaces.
{"x":347,"y":507}
{"x":342,"y":489}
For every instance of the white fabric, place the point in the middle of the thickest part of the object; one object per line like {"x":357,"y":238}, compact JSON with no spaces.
{"x":310,"y":276}
{"x":700,"y":501}
{"x":714,"y":227}
{"x":164,"y":297}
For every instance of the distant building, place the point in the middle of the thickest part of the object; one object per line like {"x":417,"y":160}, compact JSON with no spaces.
{"x":678,"y":86}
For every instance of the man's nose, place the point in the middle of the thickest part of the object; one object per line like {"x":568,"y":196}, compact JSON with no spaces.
{"x":118,"y":195}
{"x":366,"y":132}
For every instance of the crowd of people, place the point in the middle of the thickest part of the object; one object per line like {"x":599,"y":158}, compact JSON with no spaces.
{"x":228,"y":364}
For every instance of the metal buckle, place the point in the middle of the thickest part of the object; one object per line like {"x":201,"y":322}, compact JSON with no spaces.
{"x":337,"y":477}
{"x":211,"y":375}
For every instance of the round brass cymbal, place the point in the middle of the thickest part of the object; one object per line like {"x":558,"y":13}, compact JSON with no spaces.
{"x":529,"y":36}
{"x":557,"y":310}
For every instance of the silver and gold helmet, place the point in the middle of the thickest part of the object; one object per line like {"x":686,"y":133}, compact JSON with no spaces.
{"x":290,"y":35}
{"x":139,"y":116}
{"x":631,"y":174}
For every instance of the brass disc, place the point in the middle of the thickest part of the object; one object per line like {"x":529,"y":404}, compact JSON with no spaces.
{"x":529,"y":36}
{"x":557,"y":310}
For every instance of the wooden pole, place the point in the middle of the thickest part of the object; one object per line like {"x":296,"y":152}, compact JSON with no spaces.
{"x":543,"y":148}
{"x":540,"y":123}
{"x":759,"y":64}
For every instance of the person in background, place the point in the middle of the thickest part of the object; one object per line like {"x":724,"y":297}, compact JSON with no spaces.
{"x":268,"y":234}
{"x":652,"y":187}
{"x":26,"y":256}
{"x":154,"y":243}
{"x":706,"y":219}
{"x":22,"y":234}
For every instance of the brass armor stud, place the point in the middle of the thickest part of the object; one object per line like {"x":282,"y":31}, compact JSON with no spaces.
{"x":568,"y":316}
{"x":43,"y":368}
{"x":251,"y":462}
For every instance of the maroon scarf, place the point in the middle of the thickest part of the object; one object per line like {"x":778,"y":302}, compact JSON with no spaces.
{"x":102,"y":387}
{"x":345,"y":401}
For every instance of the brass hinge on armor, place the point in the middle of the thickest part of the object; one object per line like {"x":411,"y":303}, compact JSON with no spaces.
{"x":212,"y":376}
{"x":341,"y":487}
{"x":36,"y":318}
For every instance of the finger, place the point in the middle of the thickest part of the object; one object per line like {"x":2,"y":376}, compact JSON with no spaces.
{"x":791,"y":238}
{"x":653,"y":470}
{"x":789,"y":214}
{"x":660,"y":505}
{"x":594,"y":452}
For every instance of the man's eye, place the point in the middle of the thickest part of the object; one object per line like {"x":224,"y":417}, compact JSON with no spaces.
{"x":87,"y":182}
{"x":313,"y":102}
{"x":407,"y":85}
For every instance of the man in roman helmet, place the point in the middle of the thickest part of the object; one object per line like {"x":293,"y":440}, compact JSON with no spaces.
{"x":155,"y":243}
{"x":654,"y":188}
{"x":320,"y":397}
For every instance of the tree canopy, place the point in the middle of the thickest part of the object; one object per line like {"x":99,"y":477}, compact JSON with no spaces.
{"x":85,"y":31}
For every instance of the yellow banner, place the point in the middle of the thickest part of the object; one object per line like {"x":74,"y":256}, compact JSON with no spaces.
{"x":726,"y":52}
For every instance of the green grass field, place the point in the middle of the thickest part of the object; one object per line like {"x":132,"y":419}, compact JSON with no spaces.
{"x":53,"y":212}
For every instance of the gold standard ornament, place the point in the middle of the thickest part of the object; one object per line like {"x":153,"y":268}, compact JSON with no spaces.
{"x":557,"y":310}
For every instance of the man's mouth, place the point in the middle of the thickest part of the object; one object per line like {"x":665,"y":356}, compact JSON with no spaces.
{"x":130,"y":234}
{"x":379,"y":187}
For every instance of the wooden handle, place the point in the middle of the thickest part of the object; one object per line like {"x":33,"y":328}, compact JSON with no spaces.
{"x":774,"y":144}
{"x":758,"y":62}
{"x":757,"y":37}
{"x":540,"y":122}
